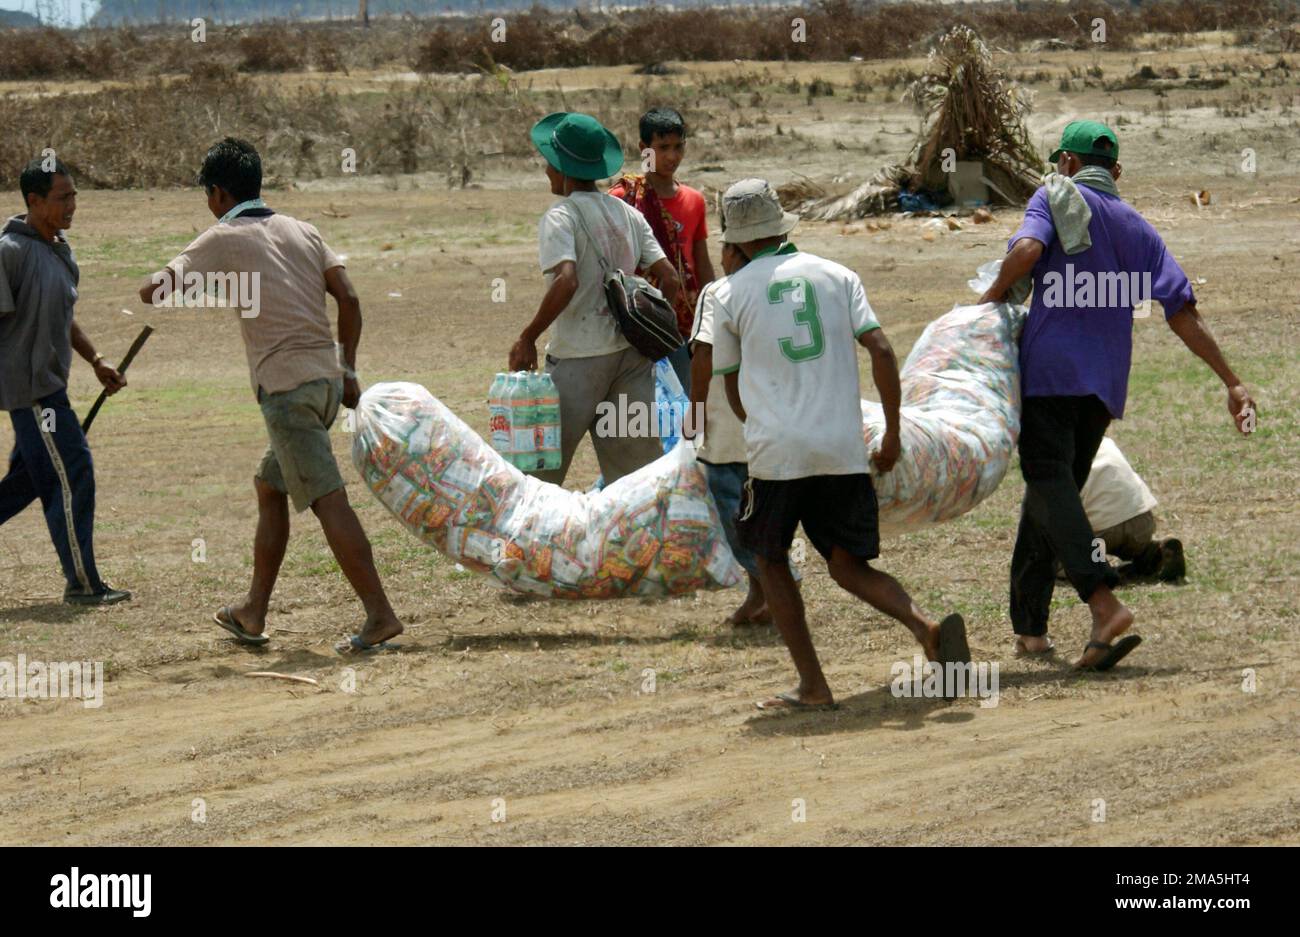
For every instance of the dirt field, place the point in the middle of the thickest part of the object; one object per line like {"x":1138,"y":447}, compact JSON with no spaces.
{"x":532,"y":713}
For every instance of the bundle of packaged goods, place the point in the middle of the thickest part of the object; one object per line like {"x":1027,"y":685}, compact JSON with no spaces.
{"x":960,"y":417}
{"x":652,"y":533}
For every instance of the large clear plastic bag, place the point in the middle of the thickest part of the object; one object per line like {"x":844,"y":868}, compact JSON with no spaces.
{"x":652,"y":533}
{"x":671,"y":404}
{"x":959,"y":415}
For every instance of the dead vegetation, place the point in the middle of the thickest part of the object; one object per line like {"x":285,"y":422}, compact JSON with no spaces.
{"x":189,"y":93}
{"x":975,"y":112}
{"x":454,"y":126}
{"x":971,"y":112}
{"x":832,"y":30}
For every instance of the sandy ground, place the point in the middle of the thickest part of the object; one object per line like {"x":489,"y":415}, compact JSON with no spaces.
{"x":509,"y":721}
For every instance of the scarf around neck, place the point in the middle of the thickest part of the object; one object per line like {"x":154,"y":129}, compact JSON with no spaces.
{"x":1097,"y":177}
{"x":1070,"y":216}
{"x":640,"y":194}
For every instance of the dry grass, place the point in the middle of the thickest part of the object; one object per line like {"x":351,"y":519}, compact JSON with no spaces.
{"x":403,"y":128}
{"x":541,"y":702}
{"x":162,"y":98}
{"x":457,"y":126}
{"x":972,"y":109}
{"x":835,"y":31}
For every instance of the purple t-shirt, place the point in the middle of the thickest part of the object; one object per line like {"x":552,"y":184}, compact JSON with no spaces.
{"x":1078,"y":339}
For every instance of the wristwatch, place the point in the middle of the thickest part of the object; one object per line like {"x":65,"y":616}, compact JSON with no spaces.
{"x":97,"y":359}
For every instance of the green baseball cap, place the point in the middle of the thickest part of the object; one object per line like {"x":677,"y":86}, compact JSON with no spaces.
{"x":1082,"y":136}
{"x":578,"y":145}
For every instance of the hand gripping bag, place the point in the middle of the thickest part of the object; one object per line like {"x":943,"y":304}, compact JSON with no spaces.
{"x":959,"y":417}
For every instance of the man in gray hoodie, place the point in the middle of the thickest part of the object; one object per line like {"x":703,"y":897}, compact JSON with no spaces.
{"x":51,"y":459}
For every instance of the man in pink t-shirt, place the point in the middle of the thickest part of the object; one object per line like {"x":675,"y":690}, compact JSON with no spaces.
{"x":676,"y":214}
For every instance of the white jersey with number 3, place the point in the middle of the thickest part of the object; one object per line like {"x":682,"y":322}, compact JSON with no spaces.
{"x":789,"y":321}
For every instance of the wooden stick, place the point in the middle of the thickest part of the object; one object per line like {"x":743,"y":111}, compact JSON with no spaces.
{"x":126,"y":363}
{"x":282,"y":676}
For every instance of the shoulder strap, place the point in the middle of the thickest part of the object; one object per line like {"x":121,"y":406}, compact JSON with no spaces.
{"x":577,"y":208}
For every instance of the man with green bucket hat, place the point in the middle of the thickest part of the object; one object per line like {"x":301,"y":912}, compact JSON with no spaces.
{"x":588,"y":357}
{"x":1094,"y":265}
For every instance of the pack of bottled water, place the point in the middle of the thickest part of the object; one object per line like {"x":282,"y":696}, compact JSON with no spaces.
{"x":524,"y":420}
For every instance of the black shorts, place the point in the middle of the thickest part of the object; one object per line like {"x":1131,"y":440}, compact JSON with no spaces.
{"x":835,"y":510}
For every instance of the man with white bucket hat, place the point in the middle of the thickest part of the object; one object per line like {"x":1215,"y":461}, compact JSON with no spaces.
{"x":785,"y":338}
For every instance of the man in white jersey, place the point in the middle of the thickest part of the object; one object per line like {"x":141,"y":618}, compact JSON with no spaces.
{"x":722,"y":451}
{"x":588,"y":357}
{"x":785,"y":335}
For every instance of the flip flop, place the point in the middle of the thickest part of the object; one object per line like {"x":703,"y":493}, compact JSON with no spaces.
{"x":232,"y":625}
{"x":1019,"y":650}
{"x":354,"y":645}
{"x":1117,"y":652}
{"x":953,"y":647}
{"x":792,"y":702}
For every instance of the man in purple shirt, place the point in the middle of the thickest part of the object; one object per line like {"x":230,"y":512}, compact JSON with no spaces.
{"x":1074,"y":357}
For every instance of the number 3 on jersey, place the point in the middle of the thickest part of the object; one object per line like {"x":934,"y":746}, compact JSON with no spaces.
{"x":805,"y":313}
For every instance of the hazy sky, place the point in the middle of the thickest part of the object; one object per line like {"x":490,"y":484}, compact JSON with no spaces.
{"x":66,"y":12}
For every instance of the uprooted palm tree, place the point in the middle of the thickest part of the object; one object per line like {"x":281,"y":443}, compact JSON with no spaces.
{"x":969,"y":108}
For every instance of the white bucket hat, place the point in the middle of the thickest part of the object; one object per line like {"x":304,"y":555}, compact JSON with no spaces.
{"x":752,"y":212}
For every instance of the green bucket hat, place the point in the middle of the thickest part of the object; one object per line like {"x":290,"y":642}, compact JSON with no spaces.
{"x":578,"y":146}
{"x":1081,"y":136}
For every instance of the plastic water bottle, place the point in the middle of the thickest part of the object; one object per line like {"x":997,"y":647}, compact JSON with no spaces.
{"x":523,"y":416}
{"x":548,"y":421}
{"x":508,"y":404}
{"x":511,"y":417}
{"x":537,"y":461}
{"x":499,"y":416}
{"x":671,"y":402}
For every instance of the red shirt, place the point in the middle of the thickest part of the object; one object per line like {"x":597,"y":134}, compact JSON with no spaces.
{"x":689,"y":211}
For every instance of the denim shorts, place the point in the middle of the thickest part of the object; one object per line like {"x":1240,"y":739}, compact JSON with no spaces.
{"x":725,"y":483}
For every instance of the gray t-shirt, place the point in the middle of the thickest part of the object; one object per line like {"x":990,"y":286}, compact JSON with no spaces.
{"x":38,"y":289}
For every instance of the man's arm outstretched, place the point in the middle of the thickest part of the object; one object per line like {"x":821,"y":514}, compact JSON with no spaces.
{"x":1188,"y":325}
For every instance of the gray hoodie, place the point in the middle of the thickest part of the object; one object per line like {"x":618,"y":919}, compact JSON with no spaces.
{"x":38,"y":288}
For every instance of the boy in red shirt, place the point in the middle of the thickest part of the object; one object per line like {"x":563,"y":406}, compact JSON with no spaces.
{"x":676,"y":214}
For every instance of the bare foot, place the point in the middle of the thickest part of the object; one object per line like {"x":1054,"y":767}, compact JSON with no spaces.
{"x":1105,"y":631}
{"x":747,"y":616}
{"x":752,"y":611}
{"x":379,"y":630}
{"x":1033,"y":645}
